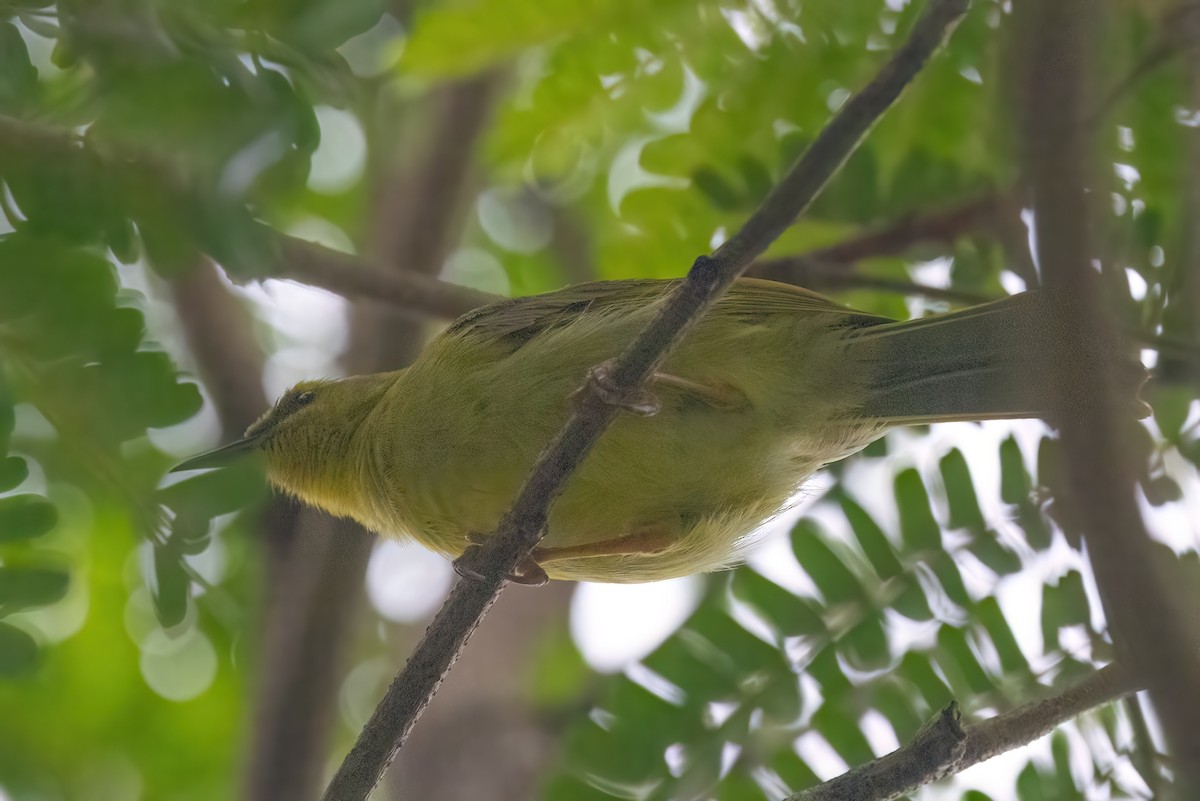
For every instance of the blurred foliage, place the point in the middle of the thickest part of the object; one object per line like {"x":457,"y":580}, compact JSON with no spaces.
{"x":136,"y":135}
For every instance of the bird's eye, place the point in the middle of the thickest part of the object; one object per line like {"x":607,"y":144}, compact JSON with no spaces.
{"x":293,"y":403}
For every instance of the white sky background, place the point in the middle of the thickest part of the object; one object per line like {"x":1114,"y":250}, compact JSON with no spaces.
{"x":615,"y":625}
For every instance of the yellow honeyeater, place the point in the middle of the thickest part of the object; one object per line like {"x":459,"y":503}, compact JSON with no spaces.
{"x":772,"y":383}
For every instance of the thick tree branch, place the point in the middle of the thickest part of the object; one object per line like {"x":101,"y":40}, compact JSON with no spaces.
{"x":944,"y":746}
{"x":523,"y":525}
{"x":220,"y":336}
{"x":353,"y":278}
{"x":1155,"y":640}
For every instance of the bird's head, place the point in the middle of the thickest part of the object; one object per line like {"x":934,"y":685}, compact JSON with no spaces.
{"x":307,"y":438}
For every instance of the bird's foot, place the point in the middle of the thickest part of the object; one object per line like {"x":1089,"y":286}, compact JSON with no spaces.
{"x":471,"y":565}
{"x":529,"y":573}
{"x":641,"y":402}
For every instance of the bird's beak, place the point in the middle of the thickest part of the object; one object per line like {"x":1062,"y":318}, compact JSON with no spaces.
{"x":219,"y":456}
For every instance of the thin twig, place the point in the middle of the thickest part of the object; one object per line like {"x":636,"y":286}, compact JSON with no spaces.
{"x":829,"y":277}
{"x":1175,"y":35}
{"x":832,"y":267}
{"x":1154,"y":637}
{"x":523,"y":525}
{"x":944,"y":746}
{"x":897,"y":237}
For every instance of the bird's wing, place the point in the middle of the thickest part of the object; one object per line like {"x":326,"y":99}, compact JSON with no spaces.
{"x":519,"y":320}
{"x":756,"y":296}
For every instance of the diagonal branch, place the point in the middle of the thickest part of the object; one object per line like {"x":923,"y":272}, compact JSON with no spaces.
{"x":523,"y":525}
{"x":944,"y":746}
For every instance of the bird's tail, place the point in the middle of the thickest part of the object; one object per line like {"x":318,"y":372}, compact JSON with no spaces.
{"x":985,"y":362}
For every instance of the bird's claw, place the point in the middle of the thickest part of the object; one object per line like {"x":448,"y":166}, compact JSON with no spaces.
{"x":640,"y":402}
{"x":470,"y":565}
{"x":465,"y":565}
{"x":529,"y":573}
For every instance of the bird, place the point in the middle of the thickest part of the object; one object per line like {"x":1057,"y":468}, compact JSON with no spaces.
{"x":770,"y":385}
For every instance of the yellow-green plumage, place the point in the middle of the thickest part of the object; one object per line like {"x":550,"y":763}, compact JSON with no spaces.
{"x":772,"y":384}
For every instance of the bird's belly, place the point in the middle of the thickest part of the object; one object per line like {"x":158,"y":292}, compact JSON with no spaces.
{"x":706,"y":471}
{"x":707,"y":487}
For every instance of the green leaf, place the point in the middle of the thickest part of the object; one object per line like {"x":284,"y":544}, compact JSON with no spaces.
{"x":463,"y":38}
{"x":716,"y":189}
{"x":840,"y":727}
{"x":7,"y":414}
{"x":171,"y":587}
{"x":994,"y":553}
{"x":190,"y":535}
{"x":1012,"y":659}
{"x":13,"y":471}
{"x":826,"y":668}
{"x":24,"y":587}
{"x":215,"y":493}
{"x":322,"y":26}
{"x":1161,"y":490}
{"x":832,"y":578}
{"x":1171,"y":406}
{"x":608,"y":758}
{"x":916,"y":669}
{"x":1030,"y":785}
{"x":917,"y":524}
{"x":788,"y":614}
{"x":1061,"y":750}
{"x":1064,"y":604}
{"x":18,"y":652}
{"x":951,"y":580}
{"x":1014,"y":481}
{"x":872,"y":539}
{"x":781,"y":701}
{"x":896,"y":704}
{"x":18,"y":76}
{"x":957,"y":658}
{"x":24,"y":517}
{"x":866,"y":645}
{"x":911,"y":602}
{"x":140,"y":390}
{"x":960,"y":492}
{"x":737,"y":786}
{"x":649,"y":717}
{"x":795,"y":773}
{"x":566,"y":787}
{"x":689,"y":664}
{"x":747,"y":653}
